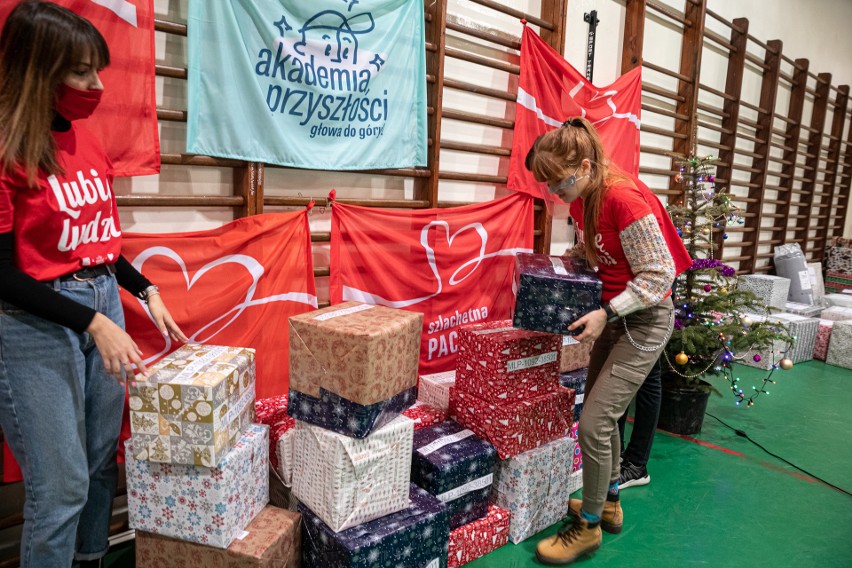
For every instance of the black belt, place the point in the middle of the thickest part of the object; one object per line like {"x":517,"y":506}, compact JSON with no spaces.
{"x":89,"y":272}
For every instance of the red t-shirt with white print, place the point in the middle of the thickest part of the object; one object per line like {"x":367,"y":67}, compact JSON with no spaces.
{"x":623,"y":205}
{"x":69,"y":221}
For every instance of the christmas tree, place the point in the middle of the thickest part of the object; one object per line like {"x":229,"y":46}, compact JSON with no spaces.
{"x":713,"y":328}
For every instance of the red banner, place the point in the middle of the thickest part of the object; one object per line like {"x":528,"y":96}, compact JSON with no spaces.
{"x":551,"y":91}
{"x":126,"y":119}
{"x":453,"y":265}
{"x":235,"y":285}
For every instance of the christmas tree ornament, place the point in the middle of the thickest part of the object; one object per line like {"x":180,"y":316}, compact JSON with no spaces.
{"x":786,"y":364}
{"x":756,"y":358}
{"x":681,"y":358}
{"x":707,"y":287}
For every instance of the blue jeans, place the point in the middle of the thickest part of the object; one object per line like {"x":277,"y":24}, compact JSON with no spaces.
{"x":61,"y":415}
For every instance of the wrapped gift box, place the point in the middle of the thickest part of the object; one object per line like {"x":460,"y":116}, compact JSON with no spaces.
{"x":533,"y":487}
{"x":823,"y":339}
{"x":804,"y":330}
{"x":577,"y":460}
{"x":205,"y":505}
{"x":575,"y":355}
{"x":348,"y":481}
{"x":772,"y":354}
{"x":840,"y":347}
{"x":817,"y":282}
{"x":424,"y":415}
{"x":273,"y":412}
{"x":353,"y":367}
{"x":552,"y":292}
{"x":836,"y":313}
{"x":500,"y":364}
{"x":272,"y":540}
{"x":475,"y":540}
{"x":838,"y":282}
{"x":515,"y":428}
{"x":576,"y":380}
{"x":838,"y":258}
{"x":457,"y":467}
{"x":434,"y":389}
{"x":416,"y":537}
{"x":772,"y":290}
{"x":842,"y":300}
{"x":194,"y":405}
{"x":575,"y":481}
{"x":810,"y":311}
{"x":281,"y":495}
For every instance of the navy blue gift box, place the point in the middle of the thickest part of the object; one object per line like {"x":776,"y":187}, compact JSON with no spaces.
{"x":335,"y":413}
{"x":417,"y":537}
{"x":576,"y":380}
{"x":456,"y":466}
{"x":552,"y":292}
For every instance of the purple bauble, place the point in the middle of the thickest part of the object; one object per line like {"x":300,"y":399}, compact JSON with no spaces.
{"x":756,"y":358}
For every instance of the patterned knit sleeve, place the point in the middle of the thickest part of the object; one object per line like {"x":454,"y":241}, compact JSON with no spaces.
{"x":651,"y":263}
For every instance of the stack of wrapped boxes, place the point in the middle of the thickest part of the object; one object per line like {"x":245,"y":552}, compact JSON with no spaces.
{"x":838,"y":265}
{"x":353,"y":371}
{"x":197,"y":470}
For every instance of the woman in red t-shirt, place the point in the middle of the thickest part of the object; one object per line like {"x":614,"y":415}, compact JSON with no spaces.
{"x":63,"y":349}
{"x":629,"y":237}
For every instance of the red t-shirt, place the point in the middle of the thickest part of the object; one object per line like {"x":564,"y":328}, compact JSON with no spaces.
{"x":69,"y":221}
{"x":622,"y":206}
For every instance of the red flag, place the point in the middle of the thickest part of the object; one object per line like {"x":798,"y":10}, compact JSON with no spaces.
{"x":235,"y":285}
{"x":551,"y":91}
{"x":126,"y":119}
{"x":453,"y":265}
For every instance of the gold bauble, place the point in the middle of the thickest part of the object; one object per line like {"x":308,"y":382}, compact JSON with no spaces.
{"x":723,"y":290}
{"x":786,"y":364}
{"x":681,"y":358}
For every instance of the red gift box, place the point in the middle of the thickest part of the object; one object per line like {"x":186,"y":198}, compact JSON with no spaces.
{"x":516,"y":427}
{"x":273,"y":412}
{"x":823,"y":339}
{"x":475,"y":540}
{"x":501,"y":364}
{"x":424,"y":415}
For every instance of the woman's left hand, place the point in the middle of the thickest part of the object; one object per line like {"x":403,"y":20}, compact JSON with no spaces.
{"x":595,"y":323}
{"x":163,"y":319}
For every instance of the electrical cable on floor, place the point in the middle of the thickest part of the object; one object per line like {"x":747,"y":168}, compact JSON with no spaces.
{"x":744,"y":435}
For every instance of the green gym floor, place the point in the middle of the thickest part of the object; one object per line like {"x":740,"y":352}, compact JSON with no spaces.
{"x":719,"y":500}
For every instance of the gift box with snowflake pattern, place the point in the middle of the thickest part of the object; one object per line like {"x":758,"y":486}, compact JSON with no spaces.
{"x":457,"y":467}
{"x":576,"y":380}
{"x":823,"y":339}
{"x":353,"y":366}
{"x":475,"y":540}
{"x":534,"y":487}
{"x":575,"y":355}
{"x":515,"y":428}
{"x":199,"y":504}
{"x":434,"y":389}
{"x":273,"y":412}
{"x":500,"y":364}
{"x":194,"y":405}
{"x":272,"y":540}
{"x":424,"y":415}
{"x":804,"y":330}
{"x":416,"y":537}
{"x":349,"y":481}
{"x":771,"y":290}
{"x":552,"y":292}
{"x":840,"y":348}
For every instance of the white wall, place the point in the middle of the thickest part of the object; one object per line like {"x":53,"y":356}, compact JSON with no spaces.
{"x":817,"y":30}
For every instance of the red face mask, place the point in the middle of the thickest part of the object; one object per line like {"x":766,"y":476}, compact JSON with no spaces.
{"x":74,"y":104}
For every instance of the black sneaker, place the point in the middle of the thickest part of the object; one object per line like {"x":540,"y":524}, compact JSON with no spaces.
{"x":632,"y":475}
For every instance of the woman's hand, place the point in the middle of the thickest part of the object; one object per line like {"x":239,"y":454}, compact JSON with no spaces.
{"x":117,"y":349}
{"x":163,"y":319}
{"x":595,"y":323}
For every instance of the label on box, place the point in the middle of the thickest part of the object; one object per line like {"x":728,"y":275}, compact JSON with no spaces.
{"x":347,"y":311}
{"x":436,"y":563}
{"x":568,"y":340}
{"x":242,"y":535}
{"x":579,"y":398}
{"x":530,"y":362}
{"x":474,"y":485}
{"x":558,"y":266}
{"x":444,"y":441}
{"x":805,"y":280}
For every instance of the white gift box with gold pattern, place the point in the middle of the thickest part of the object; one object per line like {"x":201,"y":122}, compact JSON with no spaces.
{"x":194,"y":405}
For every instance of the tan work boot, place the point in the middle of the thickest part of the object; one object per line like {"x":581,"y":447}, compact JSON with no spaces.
{"x":577,"y":537}
{"x":612,"y":518}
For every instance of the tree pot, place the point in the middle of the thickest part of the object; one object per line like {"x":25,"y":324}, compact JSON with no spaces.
{"x":682,"y":408}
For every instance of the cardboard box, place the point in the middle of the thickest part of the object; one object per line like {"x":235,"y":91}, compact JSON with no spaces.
{"x":347,"y":481}
{"x":209,"y":506}
{"x":353,"y":367}
{"x":194,"y":406}
{"x":272,"y":540}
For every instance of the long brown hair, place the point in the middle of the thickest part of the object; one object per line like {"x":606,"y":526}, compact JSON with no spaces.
{"x":558,"y":153}
{"x":40,"y":43}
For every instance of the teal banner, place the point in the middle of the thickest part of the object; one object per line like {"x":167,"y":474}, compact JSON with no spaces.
{"x":325,"y":84}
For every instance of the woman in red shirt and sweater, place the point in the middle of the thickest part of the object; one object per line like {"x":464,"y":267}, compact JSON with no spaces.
{"x":63,"y":349}
{"x":628,"y":235}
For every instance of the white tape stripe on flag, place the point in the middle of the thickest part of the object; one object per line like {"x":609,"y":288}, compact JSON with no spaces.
{"x":527,"y":101}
